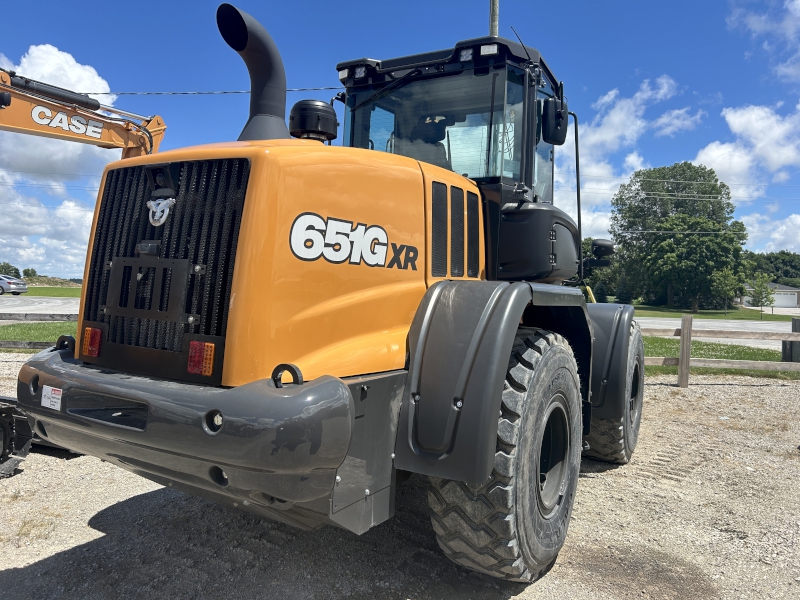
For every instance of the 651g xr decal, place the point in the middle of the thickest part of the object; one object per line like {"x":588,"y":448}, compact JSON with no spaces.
{"x":339,"y":241}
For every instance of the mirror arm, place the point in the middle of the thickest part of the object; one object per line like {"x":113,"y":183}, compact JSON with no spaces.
{"x":578,"y":183}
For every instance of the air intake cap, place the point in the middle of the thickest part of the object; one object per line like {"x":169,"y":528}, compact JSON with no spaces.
{"x":313,"y":119}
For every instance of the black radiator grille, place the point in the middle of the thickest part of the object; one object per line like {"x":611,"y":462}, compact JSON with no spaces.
{"x":202,"y":227}
{"x":456,"y":232}
{"x":473,"y":231}
{"x":439,"y":230}
{"x":451,"y":223}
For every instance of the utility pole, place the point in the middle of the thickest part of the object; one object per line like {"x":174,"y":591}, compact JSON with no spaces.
{"x":494,"y":17}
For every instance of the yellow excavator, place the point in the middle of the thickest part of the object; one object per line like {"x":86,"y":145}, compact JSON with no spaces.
{"x":292,"y":328}
{"x":32,"y":107}
{"x":35,"y":108}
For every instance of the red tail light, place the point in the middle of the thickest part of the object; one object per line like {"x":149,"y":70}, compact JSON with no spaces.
{"x":201,"y":358}
{"x":91,"y":341}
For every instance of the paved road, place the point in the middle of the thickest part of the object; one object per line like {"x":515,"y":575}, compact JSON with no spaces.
{"x":728,"y":325}
{"x":38,"y":304}
{"x":44,"y":305}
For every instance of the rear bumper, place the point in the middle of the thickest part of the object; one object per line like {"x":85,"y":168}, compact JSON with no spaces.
{"x":274,"y":445}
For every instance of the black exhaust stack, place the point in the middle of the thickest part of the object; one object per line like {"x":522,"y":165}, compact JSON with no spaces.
{"x":267,"y":77}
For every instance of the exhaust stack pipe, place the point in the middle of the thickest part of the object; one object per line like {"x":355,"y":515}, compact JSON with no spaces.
{"x":267,"y":77}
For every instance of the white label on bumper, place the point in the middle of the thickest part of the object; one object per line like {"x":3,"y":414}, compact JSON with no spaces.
{"x":51,"y":397}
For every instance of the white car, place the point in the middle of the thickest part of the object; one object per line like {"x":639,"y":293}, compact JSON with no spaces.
{"x":13,"y":285}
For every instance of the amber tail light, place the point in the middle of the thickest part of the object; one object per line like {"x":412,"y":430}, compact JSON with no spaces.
{"x":201,"y":358}
{"x":91,"y":341}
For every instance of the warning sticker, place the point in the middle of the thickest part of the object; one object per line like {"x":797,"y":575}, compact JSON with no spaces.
{"x":51,"y":397}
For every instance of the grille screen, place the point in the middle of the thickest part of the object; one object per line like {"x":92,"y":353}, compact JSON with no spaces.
{"x":473,"y":231}
{"x":202,"y":228}
{"x":439,"y":230}
{"x":456,"y":232}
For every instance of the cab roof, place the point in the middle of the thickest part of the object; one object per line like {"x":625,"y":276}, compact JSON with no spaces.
{"x":508,"y":50}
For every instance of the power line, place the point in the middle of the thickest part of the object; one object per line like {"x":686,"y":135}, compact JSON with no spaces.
{"x":204,"y":93}
{"x":677,"y":232}
{"x":689,"y":182}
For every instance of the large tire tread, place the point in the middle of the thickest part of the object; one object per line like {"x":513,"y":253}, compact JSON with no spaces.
{"x":606,"y":438}
{"x":475,"y":525}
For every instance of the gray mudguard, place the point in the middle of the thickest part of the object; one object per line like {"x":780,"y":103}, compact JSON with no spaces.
{"x":459,"y":343}
{"x":612,"y":329}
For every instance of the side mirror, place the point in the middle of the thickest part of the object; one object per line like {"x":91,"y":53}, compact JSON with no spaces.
{"x":554,"y":121}
{"x":602,"y":248}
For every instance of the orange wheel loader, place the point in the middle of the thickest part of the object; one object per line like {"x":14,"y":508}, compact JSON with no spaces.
{"x":290,"y":328}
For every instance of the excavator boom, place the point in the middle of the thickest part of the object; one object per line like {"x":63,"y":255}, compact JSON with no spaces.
{"x":34,"y":108}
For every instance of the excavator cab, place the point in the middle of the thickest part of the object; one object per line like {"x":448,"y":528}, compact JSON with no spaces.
{"x":490,"y":110}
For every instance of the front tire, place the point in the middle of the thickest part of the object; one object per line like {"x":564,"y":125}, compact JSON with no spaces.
{"x":513,"y":525}
{"x":614,"y":440}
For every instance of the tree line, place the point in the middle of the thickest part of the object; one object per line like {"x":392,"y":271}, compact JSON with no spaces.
{"x":679,"y":245}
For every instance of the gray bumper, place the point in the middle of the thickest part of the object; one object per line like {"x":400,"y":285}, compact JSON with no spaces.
{"x":274,"y":444}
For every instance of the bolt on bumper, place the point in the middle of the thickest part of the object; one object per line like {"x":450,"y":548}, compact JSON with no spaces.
{"x":255,"y":443}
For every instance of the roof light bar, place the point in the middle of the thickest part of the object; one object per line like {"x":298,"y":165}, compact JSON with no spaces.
{"x":489,"y":49}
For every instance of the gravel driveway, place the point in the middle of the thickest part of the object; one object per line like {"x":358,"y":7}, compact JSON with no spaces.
{"x":708,"y":508}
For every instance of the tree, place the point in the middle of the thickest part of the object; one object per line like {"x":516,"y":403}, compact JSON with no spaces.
{"x":726,"y":284}
{"x":648,"y":201}
{"x":29,"y":272}
{"x":687,"y":262}
{"x":601,"y":293}
{"x":784,"y":265}
{"x":623,"y":295}
{"x":8,"y":269}
{"x":761,"y":295}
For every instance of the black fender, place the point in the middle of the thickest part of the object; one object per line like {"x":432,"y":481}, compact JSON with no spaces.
{"x":612,"y":329}
{"x":459,"y":346}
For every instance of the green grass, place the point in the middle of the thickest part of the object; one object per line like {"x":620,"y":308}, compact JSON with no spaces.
{"x":740,"y":314}
{"x":654,"y":346}
{"x":38,"y":332}
{"x":55,"y":292}
{"x":670,"y":347}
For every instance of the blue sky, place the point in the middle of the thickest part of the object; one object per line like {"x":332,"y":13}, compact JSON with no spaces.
{"x":654,"y":82}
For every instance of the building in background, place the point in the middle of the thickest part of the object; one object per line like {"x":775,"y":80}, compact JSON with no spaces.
{"x":785,"y":296}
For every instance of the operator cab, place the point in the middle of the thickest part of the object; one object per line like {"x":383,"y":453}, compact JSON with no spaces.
{"x":477,"y":109}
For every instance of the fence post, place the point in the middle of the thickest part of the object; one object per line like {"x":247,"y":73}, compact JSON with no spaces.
{"x":790,"y":351}
{"x":686,"y":351}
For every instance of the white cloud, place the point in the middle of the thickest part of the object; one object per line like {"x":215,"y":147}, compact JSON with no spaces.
{"x":771,"y":235}
{"x":48,"y":228}
{"x":781,"y":28}
{"x":676,"y":121}
{"x":766,"y":144}
{"x":618,"y":125}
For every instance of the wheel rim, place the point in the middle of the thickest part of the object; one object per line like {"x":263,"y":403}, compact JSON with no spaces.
{"x":634,"y":402}
{"x":552,"y":470}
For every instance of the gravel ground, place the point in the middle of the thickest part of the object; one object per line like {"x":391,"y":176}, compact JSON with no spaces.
{"x":708,"y":508}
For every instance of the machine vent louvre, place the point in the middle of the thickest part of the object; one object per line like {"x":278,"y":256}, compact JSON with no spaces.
{"x":473,"y":241}
{"x":439,"y":230}
{"x":202,"y":227}
{"x":456,"y":232}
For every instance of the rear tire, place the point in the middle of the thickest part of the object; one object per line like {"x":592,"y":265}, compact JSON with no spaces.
{"x":513,"y":525}
{"x":614,"y":440}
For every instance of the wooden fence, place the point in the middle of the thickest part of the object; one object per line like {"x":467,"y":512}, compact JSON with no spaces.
{"x":790,"y":354}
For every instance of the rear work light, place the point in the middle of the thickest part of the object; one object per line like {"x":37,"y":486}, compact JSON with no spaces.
{"x":201,"y":358}
{"x":91,"y":341}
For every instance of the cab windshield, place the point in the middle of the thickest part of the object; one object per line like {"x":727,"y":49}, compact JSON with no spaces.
{"x":469,"y":122}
